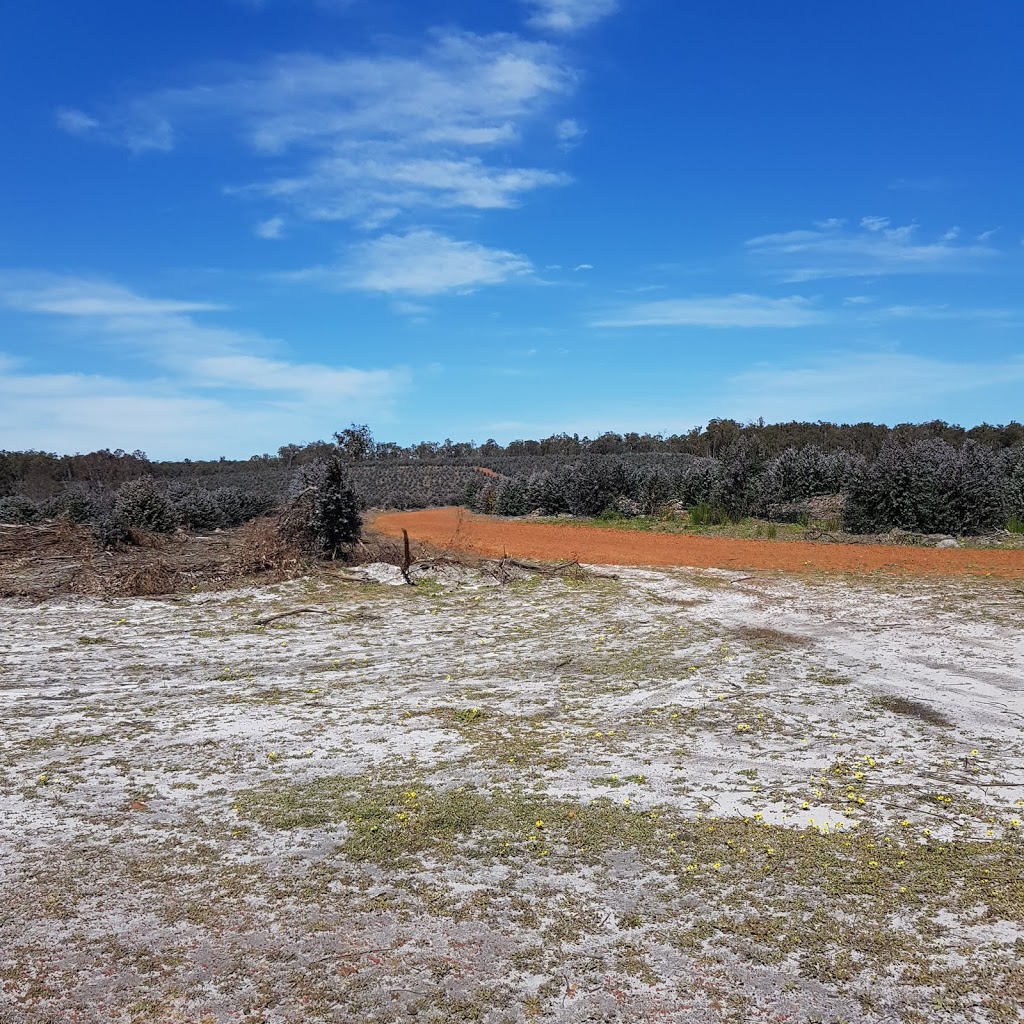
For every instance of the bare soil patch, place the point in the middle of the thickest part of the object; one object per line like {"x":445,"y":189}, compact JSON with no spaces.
{"x":457,"y":529}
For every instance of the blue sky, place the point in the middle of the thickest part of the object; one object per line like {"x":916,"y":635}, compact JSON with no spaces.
{"x":231,"y":224}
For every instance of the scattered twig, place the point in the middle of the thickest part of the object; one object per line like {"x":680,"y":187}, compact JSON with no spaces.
{"x":264,"y":619}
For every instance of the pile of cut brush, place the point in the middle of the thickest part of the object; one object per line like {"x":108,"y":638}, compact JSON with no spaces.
{"x":59,"y":557}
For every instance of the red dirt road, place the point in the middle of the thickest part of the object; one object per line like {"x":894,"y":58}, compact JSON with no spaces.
{"x":460,"y":530}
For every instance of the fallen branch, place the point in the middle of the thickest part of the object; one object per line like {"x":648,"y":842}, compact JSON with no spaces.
{"x":263,"y":620}
{"x":503,"y":569}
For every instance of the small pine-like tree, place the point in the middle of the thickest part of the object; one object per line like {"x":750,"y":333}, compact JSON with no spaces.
{"x":324,"y":517}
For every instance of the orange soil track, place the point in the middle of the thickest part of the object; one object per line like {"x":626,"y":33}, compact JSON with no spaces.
{"x":456,"y":529}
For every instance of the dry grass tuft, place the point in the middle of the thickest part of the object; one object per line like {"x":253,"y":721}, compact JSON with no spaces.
{"x":911,"y":709}
{"x":765,"y":636}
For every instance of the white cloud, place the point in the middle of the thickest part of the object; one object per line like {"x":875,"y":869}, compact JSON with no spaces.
{"x":366,"y":137}
{"x":569,"y":15}
{"x":721,"y":311}
{"x":858,"y":300}
{"x":874,"y":249}
{"x":584,"y":266}
{"x":201,"y":385}
{"x":874,"y":223}
{"x":426,"y":263}
{"x":569,"y":130}
{"x":270,"y":229}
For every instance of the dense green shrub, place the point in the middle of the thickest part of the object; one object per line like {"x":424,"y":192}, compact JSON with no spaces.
{"x":142,"y":504}
{"x":800,"y":473}
{"x":649,"y":489}
{"x":16,"y":508}
{"x":77,"y":503}
{"x":546,"y":491}
{"x":1012,"y":471}
{"x":927,"y":487}
{"x":198,"y":510}
{"x":512,"y":498}
{"x":699,"y":481}
{"x":741,"y":487}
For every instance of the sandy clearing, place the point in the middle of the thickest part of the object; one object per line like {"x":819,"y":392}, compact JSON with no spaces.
{"x":458,"y":529}
{"x":226,"y":830}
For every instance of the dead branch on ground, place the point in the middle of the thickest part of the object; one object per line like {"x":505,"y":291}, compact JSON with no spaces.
{"x":263,"y":620}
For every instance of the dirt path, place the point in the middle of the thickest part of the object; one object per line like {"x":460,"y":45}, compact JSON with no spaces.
{"x":456,"y":528}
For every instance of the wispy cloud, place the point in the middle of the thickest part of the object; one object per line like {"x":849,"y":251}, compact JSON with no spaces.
{"x":942,"y":311}
{"x":860,"y":385}
{"x":718,"y":311}
{"x":874,"y":248}
{"x":82,"y":297}
{"x":421,"y":263}
{"x":920,"y":184}
{"x":198,"y":373}
{"x":272,"y":228}
{"x":569,"y":15}
{"x":366,"y":137}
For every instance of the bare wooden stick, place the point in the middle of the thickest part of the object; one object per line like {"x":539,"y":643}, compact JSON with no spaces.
{"x":406,"y":558}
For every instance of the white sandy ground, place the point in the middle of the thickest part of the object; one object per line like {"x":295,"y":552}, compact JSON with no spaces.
{"x":190,"y":802}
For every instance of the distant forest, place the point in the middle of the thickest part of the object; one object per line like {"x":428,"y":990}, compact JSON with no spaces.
{"x":931,"y":477}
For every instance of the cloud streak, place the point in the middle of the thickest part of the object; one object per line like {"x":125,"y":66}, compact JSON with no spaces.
{"x":718,"y":311}
{"x":874,"y":248}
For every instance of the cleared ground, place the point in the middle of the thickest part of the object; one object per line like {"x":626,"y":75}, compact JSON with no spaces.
{"x":458,"y":529}
{"x":677,"y":795}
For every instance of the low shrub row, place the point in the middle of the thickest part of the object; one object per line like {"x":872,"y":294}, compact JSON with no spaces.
{"x":927,"y":486}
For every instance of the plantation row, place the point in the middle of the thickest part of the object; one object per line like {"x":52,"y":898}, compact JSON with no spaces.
{"x":926,"y":486}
